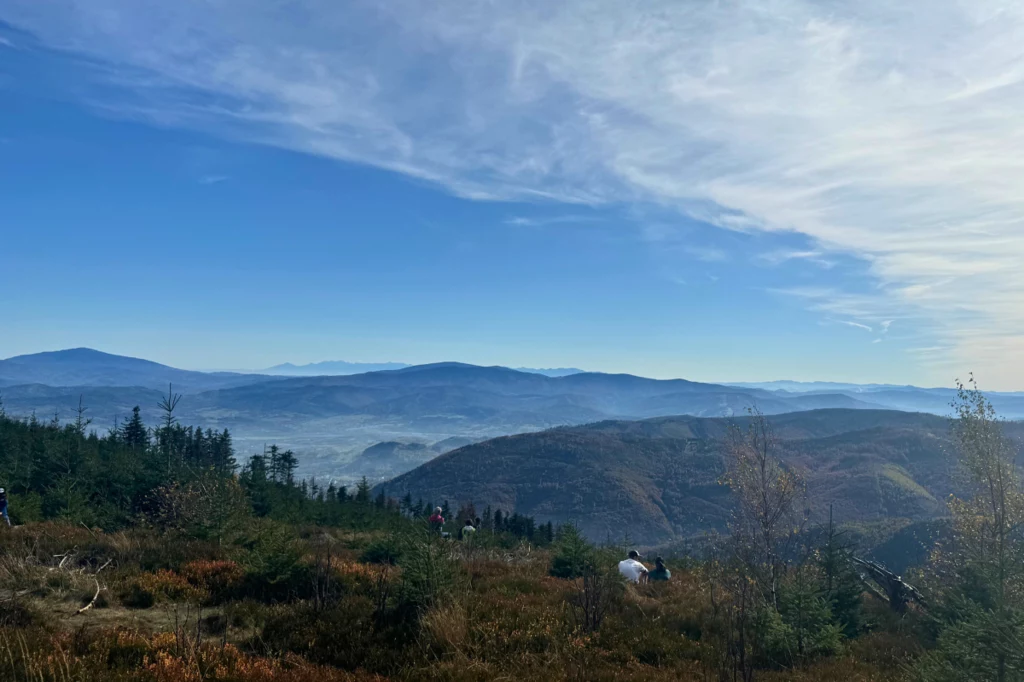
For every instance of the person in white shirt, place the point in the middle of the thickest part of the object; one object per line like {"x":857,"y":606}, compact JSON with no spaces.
{"x":632,"y":569}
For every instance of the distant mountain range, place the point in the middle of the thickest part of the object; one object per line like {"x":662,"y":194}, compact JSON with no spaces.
{"x":551,"y":371}
{"x":657,"y":481}
{"x":333,"y":420}
{"x":342,"y":368}
{"x":329,"y":368}
{"x":831,"y":386}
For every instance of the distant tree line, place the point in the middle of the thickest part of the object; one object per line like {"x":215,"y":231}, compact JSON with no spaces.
{"x":185,"y":476}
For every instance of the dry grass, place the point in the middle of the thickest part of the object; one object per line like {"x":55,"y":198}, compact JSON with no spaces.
{"x":508,"y":620}
{"x":127,"y":656}
{"x":445,"y":628}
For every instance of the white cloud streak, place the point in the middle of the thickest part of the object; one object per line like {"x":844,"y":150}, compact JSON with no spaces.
{"x":781,"y":257}
{"x":888,"y":131}
{"x":858,"y":325}
{"x":523,"y":221}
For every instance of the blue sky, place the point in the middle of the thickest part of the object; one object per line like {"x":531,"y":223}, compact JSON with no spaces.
{"x":748,"y":192}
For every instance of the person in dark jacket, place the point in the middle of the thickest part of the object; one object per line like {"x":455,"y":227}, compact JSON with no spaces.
{"x":659,"y":572}
{"x":3,"y":506}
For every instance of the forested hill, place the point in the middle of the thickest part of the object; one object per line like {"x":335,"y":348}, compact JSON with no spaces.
{"x":658,"y":480}
{"x":172,"y":474}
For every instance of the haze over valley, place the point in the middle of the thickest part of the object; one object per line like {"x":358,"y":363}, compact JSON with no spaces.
{"x":384,"y":423}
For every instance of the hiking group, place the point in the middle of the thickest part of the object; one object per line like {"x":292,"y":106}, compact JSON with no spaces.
{"x":436,"y":522}
{"x":631,"y":568}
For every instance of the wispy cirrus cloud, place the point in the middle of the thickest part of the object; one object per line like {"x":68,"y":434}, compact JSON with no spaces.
{"x":857,"y":325}
{"x":543,"y":221}
{"x":782,"y":256}
{"x":872,"y":131}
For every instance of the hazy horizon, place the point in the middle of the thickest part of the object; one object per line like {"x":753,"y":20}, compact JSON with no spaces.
{"x":399,"y":364}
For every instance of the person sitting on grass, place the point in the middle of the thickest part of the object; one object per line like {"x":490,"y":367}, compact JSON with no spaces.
{"x":659,"y":572}
{"x":468,"y":530}
{"x":632,"y":569}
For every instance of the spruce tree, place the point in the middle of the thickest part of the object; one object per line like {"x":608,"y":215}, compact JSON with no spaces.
{"x":842,"y":585}
{"x":134,"y":433}
{"x":363,"y":492}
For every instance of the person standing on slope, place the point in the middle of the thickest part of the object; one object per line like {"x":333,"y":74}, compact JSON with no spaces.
{"x":436,"y":521}
{"x":3,"y":506}
{"x":632,"y":569}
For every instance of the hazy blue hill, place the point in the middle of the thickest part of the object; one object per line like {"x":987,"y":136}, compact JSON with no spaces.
{"x":383,"y":459}
{"x":460,"y":399}
{"x":551,"y":371}
{"x":87,"y":367}
{"x":330,"y":367}
{"x":815,"y":386}
{"x":343,"y":368}
{"x":657,"y":480}
{"x":938,"y":400}
{"x":452,"y":443}
{"x":912,"y":398}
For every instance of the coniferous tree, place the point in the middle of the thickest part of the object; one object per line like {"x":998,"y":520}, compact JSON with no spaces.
{"x":289,"y":463}
{"x":134,"y":433}
{"x":166,"y":435}
{"x":363,"y":492}
{"x":842,"y":587}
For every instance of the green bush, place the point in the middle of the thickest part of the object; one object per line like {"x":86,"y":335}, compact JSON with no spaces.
{"x":273,"y":570}
{"x":25,"y":508}
{"x":802,"y":629}
{"x":345,"y":636}
{"x":429,"y":572}
{"x":385,"y":551}
{"x":573,"y":556}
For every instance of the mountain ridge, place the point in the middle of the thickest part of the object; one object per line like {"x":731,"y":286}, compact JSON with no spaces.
{"x":657,"y":480}
{"x":333,"y":419}
{"x":89,"y":367}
